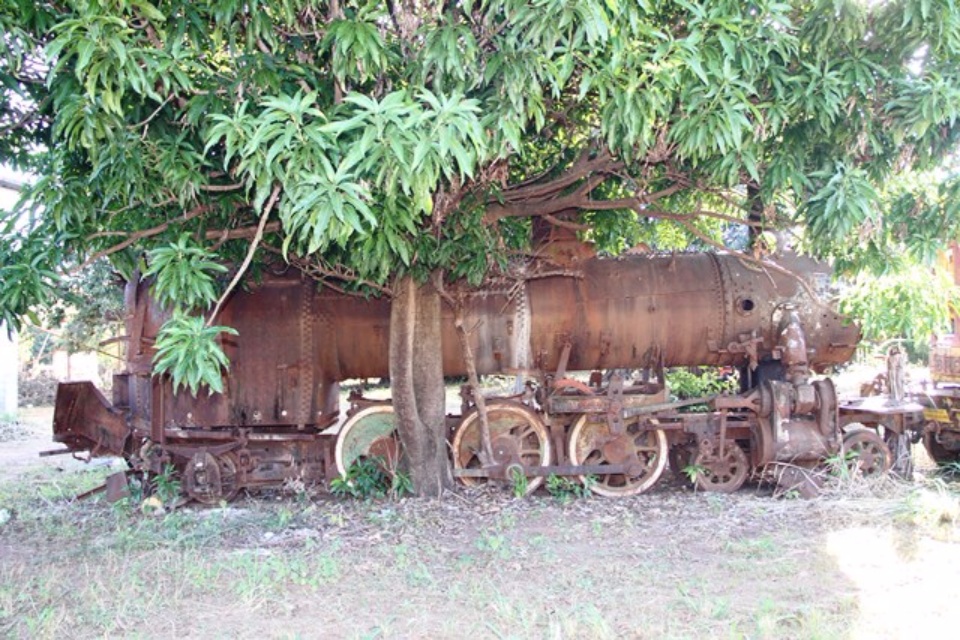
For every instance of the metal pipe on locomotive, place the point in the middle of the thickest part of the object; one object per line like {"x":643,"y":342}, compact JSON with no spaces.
{"x":277,"y":417}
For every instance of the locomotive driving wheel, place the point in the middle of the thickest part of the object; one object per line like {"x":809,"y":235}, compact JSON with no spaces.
{"x":644,"y":450}
{"x":721,"y":473}
{"x":870,"y":454}
{"x":517,"y":434}
{"x":370,"y":433}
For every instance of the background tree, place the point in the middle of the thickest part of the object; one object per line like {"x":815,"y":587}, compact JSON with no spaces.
{"x":911,"y":302}
{"x":375,"y":145}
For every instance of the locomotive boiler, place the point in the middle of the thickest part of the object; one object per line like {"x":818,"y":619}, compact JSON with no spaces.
{"x":589,"y":341}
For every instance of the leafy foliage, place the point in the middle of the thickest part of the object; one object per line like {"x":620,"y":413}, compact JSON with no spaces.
{"x":519,"y":483}
{"x":28,"y":279}
{"x":685,"y":383}
{"x":407,"y":138}
{"x":166,"y":487}
{"x":184,"y":274}
{"x":911,"y":301}
{"x":88,"y":307}
{"x":368,"y":477}
{"x":187,"y":349}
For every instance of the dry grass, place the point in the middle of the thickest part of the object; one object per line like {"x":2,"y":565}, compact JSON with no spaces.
{"x":669,"y":564}
{"x":12,"y":430}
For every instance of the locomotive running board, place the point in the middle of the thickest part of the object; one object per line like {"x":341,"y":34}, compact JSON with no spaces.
{"x":84,"y":420}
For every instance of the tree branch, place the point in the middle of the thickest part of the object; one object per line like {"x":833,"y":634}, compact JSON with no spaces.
{"x":220,"y":188}
{"x":25,"y":117}
{"x":249,"y":257}
{"x":582,"y":167}
{"x":815,"y":299}
{"x":153,"y":115}
{"x":139,"y":235}
{"x":222,"y":235}
{"x":686,"y":217}
{"x":565,"y":224}
{"x":541,"y":199}
{"x":471,"y":365}
{"x":133,"y":205}
{"x":320,"y":273}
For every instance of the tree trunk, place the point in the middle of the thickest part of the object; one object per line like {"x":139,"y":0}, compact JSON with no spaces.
{"x":416,"y":381}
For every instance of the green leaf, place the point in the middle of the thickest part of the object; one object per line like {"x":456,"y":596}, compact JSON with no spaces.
{"x":189,"y":351}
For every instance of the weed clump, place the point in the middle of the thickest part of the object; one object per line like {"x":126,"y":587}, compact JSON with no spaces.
{"x":369,"y":478}
{"x":566,"y":489}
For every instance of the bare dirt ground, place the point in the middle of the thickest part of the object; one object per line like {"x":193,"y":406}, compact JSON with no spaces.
{"x":22,"y":443}
{"x":877,"y":560}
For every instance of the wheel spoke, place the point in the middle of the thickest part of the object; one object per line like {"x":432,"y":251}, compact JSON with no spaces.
{"x":472,"y":461}
{"x":527,"y":432}
{"x":595,"y":457}
{"x":872,"y":456}
{"x":366,"y":430}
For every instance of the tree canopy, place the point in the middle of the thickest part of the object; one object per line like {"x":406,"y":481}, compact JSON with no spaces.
{"x":368,"y":141}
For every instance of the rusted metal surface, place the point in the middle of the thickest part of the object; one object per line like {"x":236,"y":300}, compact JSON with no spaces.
{"x":634,"y":312}
{"x":870,"y":454}
{"x":721,"y":466}
{"x":519,"y":438}
{"x":85,"y":421}
{"x":640,"y":447}
{"x":117,"y":486}
{"x":55,"y":452}
{"x":697,"y":309}
{"x":630,"y":404}
{"x":637,"y":313}
{"x":945,"y":359}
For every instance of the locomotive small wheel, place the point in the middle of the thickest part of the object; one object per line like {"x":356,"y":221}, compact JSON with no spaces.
{"x":723,"y":475}
{"x":517,"y":434}
{"x":209,"y":479}
{"x":872,"y":457}
{"x":592,"y":443}
{"x":371,"y":432}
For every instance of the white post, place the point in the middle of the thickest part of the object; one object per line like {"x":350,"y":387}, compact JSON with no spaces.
{"x":9,"y":369}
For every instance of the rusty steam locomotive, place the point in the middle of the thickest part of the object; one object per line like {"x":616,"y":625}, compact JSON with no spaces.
{"x":278,"y":416}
